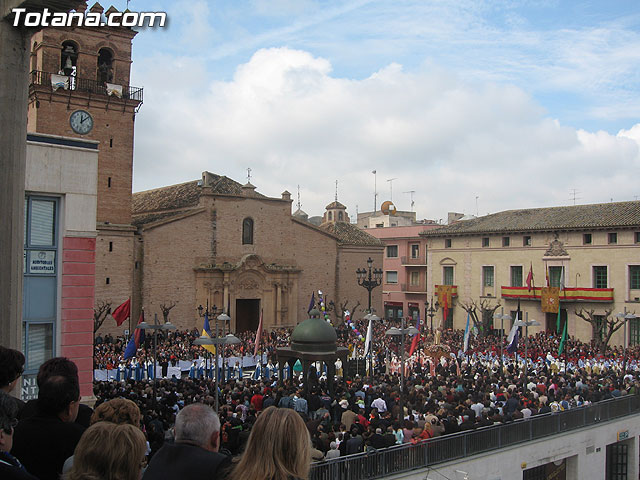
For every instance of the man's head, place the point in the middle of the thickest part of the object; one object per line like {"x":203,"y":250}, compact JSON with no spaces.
{"x":59,"y":396}
{"x":11,"y":367}
{"x":57,"y":366}
{"x":8,"y":413}
{"x":198,"y":424}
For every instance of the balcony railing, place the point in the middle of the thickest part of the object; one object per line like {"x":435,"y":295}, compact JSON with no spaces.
{"x":566,"y":294}
{"x":405,"y":287}
{"x":403,"y":458}
{"x":421,"y":260}
{"x":86,"y":85}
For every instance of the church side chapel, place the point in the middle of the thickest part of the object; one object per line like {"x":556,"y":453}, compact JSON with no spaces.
{"x":216,"y":242}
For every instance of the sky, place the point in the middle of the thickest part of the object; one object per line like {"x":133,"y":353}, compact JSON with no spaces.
{"x":472,"y":106}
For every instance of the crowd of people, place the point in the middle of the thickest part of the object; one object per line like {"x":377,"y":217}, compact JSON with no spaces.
{"x":380,"y":408}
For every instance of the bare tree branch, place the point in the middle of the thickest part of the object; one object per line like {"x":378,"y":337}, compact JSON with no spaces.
{"x":100,"y":313}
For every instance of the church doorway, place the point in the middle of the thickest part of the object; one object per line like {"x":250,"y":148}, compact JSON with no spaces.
{"x":247,"y":315}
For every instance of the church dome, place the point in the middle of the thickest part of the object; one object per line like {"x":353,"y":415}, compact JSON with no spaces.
{"x":335,"y":204}
{"x":314,"y":335}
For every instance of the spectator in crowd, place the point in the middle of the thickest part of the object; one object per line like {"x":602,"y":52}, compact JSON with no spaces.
{"x":108,"y":451}
{"x":44,"y":441}
{"x":10,"y":467}
{"x":279,"y":448}
{"x":194,"y":455}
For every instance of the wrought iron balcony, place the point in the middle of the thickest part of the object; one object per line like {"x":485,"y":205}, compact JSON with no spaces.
{"x":85,"y":85}
{"x":419,"y":261}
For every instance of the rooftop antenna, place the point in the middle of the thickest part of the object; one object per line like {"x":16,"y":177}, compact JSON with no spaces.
{"x":477,"y":197}
{"x":248,"y":175}
{"x":336,"y":190}
{"x":375,"y":191}
{"x":411,"y":192}
{"x":390,"y":180}
{"x":573,"y":195}
{"x":299,"y":204}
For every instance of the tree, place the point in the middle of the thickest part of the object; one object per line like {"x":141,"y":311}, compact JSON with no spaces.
{"x":343,"y":307}
{"x":481,"y":314}
{"x":603,"y":326}
{"x":100,"y":313}
{"x":166,"y":308}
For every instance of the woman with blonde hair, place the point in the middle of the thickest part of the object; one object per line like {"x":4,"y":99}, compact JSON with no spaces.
{"x":108,"y":451}
{"x":278,"y":448}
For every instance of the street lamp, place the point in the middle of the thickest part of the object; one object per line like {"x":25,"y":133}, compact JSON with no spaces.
{"x":155,"y":327}
{"x":502,"y":317}
{"x":369,"y":278}
{"x":625,"y":317}
{"x":431,"y":309}
{"x":526,"y":324}
{"x":394,"y":331}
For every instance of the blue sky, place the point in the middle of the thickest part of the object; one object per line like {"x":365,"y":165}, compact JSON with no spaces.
{"x":455,"y":99}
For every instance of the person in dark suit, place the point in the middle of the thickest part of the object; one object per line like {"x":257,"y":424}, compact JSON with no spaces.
{"x":43,"y":442}
{"x":194,"y":455}
{"x":10,"y":467}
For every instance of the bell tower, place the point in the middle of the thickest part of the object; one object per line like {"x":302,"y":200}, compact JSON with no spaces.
{"x":79,"y":87}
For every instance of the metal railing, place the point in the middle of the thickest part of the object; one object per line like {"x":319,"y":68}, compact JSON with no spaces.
{"x":403,"y":458}
{"x":407,"y":287}
{"x":408,"y":260}
{"x":86,"y":85}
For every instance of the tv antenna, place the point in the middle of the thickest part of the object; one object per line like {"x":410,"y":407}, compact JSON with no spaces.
{"x":573,"y":195}
{"x":299,"y":204}
{"x":390,"y":180}
{"x":375,"y":190}
{"x":411,"y":192}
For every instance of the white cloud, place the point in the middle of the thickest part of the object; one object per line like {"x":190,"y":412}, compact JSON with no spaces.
{"x":284,"y":115}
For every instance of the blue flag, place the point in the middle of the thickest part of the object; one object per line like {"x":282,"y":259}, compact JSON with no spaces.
{"x":312,"y":302}
{"x":137,"y":339}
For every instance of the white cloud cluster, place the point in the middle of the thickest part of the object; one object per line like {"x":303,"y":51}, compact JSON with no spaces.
{"x":284,"y":115}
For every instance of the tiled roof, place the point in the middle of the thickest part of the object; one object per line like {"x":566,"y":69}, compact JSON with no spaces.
{"x":183,"y":195}
{"x":578,"y":217}
{"x":335,"y":204}
{"x":146,"y":218}
{"x":349,"y":234}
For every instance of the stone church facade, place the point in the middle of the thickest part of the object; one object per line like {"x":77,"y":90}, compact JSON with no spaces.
{"x":216,"y":242}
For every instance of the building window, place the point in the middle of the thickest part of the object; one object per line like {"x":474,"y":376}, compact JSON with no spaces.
{"x":447,"y":243}
{"x":516,"y":276}
{"x":485,"y":241}
{"x":586,"y":239}
{"x":637,"y":237}
{"x":111,"y":246}
{"x":506,"y":241}
{"x":447,"y":275}
{"x":68,"y":60}
{"x":634,"y":277}
{"x":556,"y":276}
{"x":40,"y":269}
{"x":108,"y":182}
{"x":634,"y":332}
{"x":392,"y":251}
{"x":392,"y":277}
{"x":600,"y":276}
{"x":379,"y":225}
{"x":526,"y":241}
{"x":617,"y":461}
{"x":487,"y":276}
{"x":415,"y":251}
{"x":415,"y":279}
{"x":329,"y":216}
{"x":612,"y":237}
{"x":108,"y":281}
{"x":247,"y":231}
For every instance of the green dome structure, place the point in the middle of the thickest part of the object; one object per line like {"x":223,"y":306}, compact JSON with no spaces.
{"x":313,"y":340}
{"x":314,"y":335}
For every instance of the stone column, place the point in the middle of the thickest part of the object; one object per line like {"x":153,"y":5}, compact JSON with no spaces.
{"x":14,"y":78}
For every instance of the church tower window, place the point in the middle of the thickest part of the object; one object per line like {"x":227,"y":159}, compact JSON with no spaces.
{"x":105,"y":66}
{"x":69,"y":58}
{"x":247,"y":231}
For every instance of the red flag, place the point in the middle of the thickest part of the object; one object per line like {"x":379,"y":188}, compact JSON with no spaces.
{"x":258,"y":335}
{"x":121,"y":313}
{"x":416,"y":337}
{"x":530,"y":277}
{"x":445,"y":311}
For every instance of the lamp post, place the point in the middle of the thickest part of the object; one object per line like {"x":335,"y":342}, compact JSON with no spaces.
{"x":526,"y":324}
{"x":155,"y":327}
{"x":431,"y":309}
{"x":369,"y":278}
{"x":208,"y":313}
{"x":402,"y":332}
{"x":502,"y":317}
